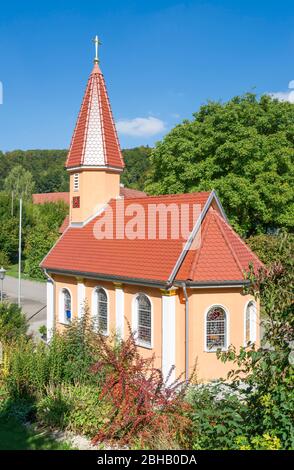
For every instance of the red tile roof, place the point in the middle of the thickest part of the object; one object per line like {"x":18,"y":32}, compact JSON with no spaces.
{"x":95,"y":141}
{"x":42,"y":198}
{"x":222,"y":255}
{"x":131,"y":193}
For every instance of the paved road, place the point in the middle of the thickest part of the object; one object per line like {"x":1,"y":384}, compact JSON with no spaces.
{"x":33,"y":299}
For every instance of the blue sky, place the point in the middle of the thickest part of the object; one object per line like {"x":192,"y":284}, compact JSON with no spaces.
{"x":161,"y":60}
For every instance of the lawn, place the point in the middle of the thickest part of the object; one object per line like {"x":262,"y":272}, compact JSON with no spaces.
{"x":15,"y":436}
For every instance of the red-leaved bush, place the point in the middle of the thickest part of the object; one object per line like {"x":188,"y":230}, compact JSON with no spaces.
{"x":146,"y":411}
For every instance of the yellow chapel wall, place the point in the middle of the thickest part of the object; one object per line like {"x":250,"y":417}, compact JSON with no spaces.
{"x":208,"y":366}
{"x":96,"y":188}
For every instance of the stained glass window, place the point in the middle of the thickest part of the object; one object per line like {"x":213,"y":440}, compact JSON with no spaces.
{"x":102,"y":311}
{"x":67,"y":305}
{"x":216,"y":326}
{"x":144,"y":320}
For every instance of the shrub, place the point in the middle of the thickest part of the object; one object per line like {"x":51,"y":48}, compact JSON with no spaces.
{"x":33,"y":367}
{"x":74,"y":407}
{"x":141,"y":402}
{"x":217,"y":417}
{"x":13,"y":322}
{"x":264,"y":442}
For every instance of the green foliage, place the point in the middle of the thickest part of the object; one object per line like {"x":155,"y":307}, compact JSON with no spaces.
{"x":39,"y":241}
{"x":244,"y":150}
{"x":46,"y":220}
{"x":137,"y":161}
{"x":268,"y":371}
{"x":32,"y":368}
{"x":9,"y":238}
{"x":19,"y":182}
{"x":272,"y":248}
{"x":76,"y":408}
{"x":217,"y":415}
{"x":13,"y":323}
{"x":4,"y":260}
{"x":46,"y":167}
{"x":264,"y":442}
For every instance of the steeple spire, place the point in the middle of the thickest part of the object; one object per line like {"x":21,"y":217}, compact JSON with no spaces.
{"x":95,"y":142}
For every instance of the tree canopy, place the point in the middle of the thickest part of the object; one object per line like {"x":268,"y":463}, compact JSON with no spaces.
{"x":19,"y":182}
{"x":244,"y":150}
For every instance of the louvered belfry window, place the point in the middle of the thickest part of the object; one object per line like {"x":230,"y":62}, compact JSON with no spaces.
{"x":102,"y":311}
{"x":144,"y":320}
{"x":216,"y":329}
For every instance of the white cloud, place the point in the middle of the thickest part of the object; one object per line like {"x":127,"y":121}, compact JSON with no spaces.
{"x":140,"y":127}
{"x":285,"y":95}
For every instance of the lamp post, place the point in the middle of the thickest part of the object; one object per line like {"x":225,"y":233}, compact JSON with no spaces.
{"x":2,"y":276}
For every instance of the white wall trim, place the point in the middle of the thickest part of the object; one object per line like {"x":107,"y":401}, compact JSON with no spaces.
{"x":50,"y":310}
{"x":94,"y":306}
{"x":119,"y":310}
{"x":168,"y":336}
{"x":135,"y":320}
{"x":81,"y":294}
{"x":227,"y":336}
{"x":253,"y":322}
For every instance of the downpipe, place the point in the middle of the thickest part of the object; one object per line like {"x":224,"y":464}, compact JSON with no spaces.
{"x":186,"y":332}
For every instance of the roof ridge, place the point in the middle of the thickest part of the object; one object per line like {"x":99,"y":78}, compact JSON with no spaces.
{"x":197,"y":256}
{"x":154,"y":196}
{"x":229,"y":244}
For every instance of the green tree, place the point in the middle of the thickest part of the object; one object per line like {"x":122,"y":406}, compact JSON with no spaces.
{"x":13,"y":322}
{"x":20,"y":182}
{"x":43,"y":234}
{"x":137,"y":161}
{"x":244,"y":150}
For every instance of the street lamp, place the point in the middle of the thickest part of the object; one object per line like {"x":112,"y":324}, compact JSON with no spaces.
{"x":2,"y":276}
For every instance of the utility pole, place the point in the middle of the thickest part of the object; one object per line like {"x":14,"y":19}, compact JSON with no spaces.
{"x":19,"y":251}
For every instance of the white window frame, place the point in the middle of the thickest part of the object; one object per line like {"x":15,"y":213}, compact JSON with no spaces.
{"x":62,"y":317}
{"x":227,"y":329}
{"x":76,"y":182}
{"x":135,"y":320}
{"x":252,"y":322}
{"x":95,"y":307}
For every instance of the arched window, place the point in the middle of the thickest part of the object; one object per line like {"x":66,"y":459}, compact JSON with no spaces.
{"x":143,"y":312}
{"x":250,"y":322}
{"x":66,"y":309}
{"x":101,"y":311}
{"x":216,"y":329}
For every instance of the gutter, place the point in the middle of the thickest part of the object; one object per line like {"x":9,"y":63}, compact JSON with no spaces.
{"x":106,"y":277}
{"x":215,"y":284}
{"x":186,"y":332}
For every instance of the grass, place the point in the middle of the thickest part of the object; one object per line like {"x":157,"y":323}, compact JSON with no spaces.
{"x":15,"y":436}
{"x":13,"y":272}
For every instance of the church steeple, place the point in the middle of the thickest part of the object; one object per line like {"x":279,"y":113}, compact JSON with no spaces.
{"x":95,"y":142}
{"x":94,"y":159}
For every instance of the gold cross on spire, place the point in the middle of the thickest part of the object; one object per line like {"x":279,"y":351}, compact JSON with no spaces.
{"x":97,"y":43}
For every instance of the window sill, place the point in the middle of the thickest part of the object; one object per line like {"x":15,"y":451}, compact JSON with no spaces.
{"x":216,"y":350}
{"x":143,"y":345}
{"x":65,"y":323}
